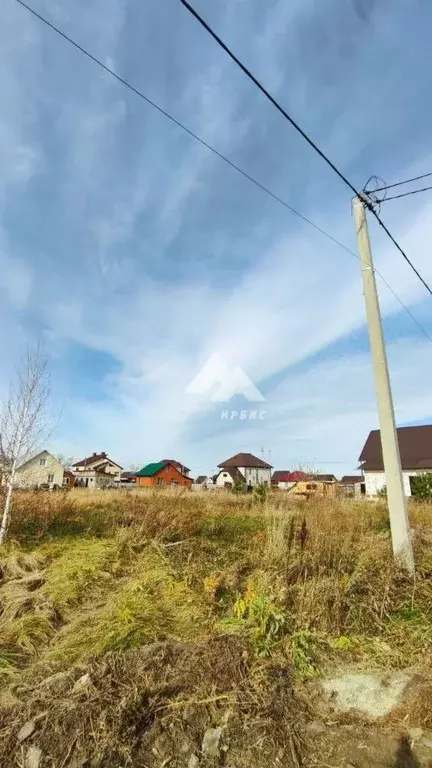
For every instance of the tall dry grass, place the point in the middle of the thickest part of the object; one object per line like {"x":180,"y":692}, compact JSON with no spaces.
{"x":206,"y":595}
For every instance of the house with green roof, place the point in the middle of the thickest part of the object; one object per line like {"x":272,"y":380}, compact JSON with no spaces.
{"x":162,"y":474}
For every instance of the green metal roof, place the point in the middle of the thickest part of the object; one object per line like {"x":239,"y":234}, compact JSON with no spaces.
{"x":151,"y":469}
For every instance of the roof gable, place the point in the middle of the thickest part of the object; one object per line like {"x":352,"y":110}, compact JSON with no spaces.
{"x":244,"y":460}
{"x":415,"y":447}
{"x":233,"y":472}
{"x":96,"y":457}
{"x":177,"y":464}
{"x":152,"y":469}
{"x":37,"y":456}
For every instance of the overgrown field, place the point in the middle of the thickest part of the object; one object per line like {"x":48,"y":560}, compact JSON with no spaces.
{"x":132,"y":622}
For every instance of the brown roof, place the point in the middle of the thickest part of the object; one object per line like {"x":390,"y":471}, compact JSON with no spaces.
{"x":415,"y":446}
{"x":234,"y":473}
{"x":200,"y":479}
{"x":95,"y":457}
{"x":351,"y":479}
{"x":244,"y":460}
{"x":323,"y":478}
{"x":177,"y":465}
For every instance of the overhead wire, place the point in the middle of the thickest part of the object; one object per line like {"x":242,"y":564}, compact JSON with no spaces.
{"x":400,"y":183}
{"x":222,"y":157}
{"x":268,"y":95}
{"x":400,"y":249}
{"x":403,"y":194}
{"x":297,"y":127}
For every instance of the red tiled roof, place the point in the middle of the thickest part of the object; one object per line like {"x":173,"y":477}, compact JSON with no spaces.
{"x":415,"y":446}
{"x":285,"y":476}
{"x":244,"y":460}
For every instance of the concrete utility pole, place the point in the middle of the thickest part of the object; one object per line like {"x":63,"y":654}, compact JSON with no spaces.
{"x":400,"y":531}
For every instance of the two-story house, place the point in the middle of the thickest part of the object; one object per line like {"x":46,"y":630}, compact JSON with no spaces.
{"x":243,"y":467}
{"x":97,"y":471}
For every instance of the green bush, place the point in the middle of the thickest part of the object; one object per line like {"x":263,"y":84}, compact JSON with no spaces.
{"x":421,"y":487}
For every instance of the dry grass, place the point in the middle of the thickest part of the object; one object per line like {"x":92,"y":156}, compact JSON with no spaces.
{"x":137,"y":586}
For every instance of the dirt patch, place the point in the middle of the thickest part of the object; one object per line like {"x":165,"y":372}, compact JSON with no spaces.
{"x":152,"y":707}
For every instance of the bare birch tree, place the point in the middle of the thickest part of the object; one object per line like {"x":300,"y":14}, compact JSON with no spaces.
{"x":24,"y":422}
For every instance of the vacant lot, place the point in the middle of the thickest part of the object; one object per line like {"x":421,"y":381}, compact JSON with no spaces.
{"x":135,"y":625}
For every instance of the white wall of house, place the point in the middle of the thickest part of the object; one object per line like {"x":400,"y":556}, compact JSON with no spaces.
{"x":375,"y":481}
{"x":42,"y":468}
{"x":92,"y":479}
{"x":108,"y":466}
{"x":256,"y":475}
{"x":223,"y":478}
{"x":285,"y":486}
{"x":252,"y":475}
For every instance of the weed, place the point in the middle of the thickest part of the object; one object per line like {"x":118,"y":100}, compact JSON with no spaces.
{"x":84,"y":565}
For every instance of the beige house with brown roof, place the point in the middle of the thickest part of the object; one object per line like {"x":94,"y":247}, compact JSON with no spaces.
{"x":96,"y":471}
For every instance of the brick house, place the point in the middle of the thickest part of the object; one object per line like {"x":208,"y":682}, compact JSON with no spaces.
{"x":161,"y":474}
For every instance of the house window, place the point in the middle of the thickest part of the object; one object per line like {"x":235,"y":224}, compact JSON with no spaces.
{"x":311,"y":486}
{"x":42,"y":462}
{"x":160,"y":481}
{"x":66,"y":480}
{"x":50,"y":478}
{"x":174,"y":481}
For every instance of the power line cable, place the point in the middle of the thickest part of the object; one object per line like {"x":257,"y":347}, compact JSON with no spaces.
{"x":404,"y":194}
{"x":268,"y":95}
{"x":400,"y":249}
{"x":162,"y":111}
{"x":237,"y":168}
{"x":399,"y":183}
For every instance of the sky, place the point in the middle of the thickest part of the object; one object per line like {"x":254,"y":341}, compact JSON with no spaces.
{"x":136,"y":255}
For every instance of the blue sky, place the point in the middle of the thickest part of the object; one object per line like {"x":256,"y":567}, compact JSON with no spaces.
{"x":136,"y":254}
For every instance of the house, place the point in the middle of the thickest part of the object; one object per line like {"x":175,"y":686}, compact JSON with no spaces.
{"x":284,"y":479}
{"x":68,"y":479}
{"x":352,"y":485}
{"x":127,"y":478}
{"x":97,"y":470}
{"x":180,"y":467}
{"x":41,"y":470}
{"x":228,"y":477}
{"x":161,"y":473}
{"x":204,"y":481}
{"x":305,"y":484}
{"x":93,"y":478}
{"x":245,"y":467}
{"x":415,"y":448}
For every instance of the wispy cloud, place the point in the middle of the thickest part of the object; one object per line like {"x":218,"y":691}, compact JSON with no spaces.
{"x":124,"y":236}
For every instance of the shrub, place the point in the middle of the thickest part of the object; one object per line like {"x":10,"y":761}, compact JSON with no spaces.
{"x":421,"y":486}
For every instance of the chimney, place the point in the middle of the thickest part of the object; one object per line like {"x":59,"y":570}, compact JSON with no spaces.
{"x":103,"y":455}
{"x":95,"y":454}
